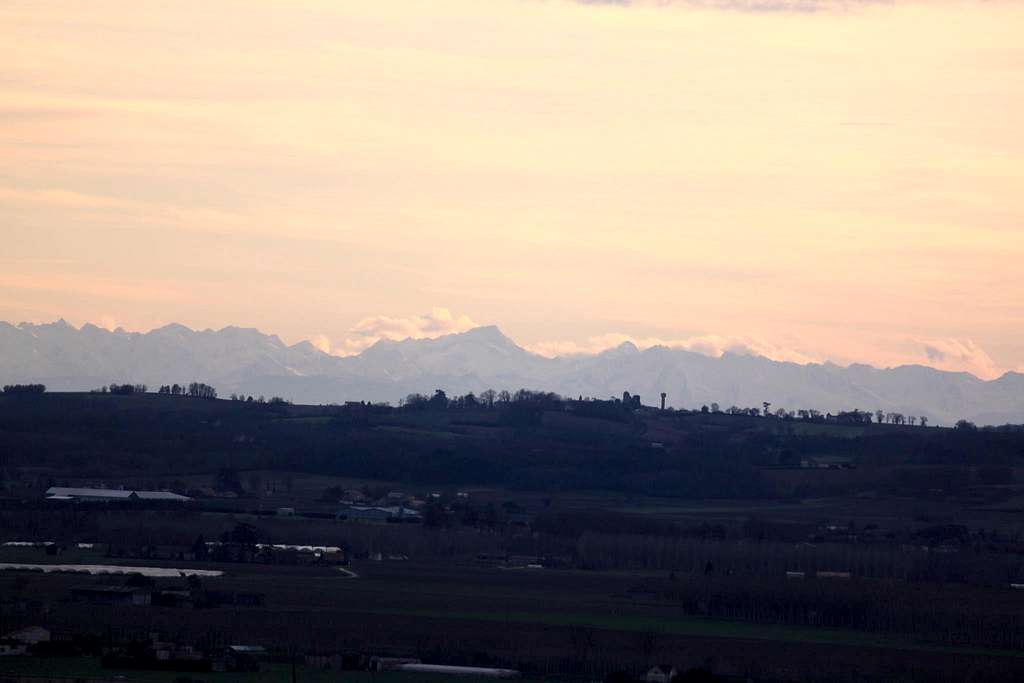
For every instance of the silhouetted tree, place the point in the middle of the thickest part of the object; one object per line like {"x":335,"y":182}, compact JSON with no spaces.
{"x":24,"y":388}
{"x":415,"y":401}
{"x":227,"y":480}
{"x":433,"y":515}
{"x":243,"y":534}
{"x":439,"y":400}
{"x":127,"y":389}
{"x":200,"y":390}
{"x":199,"y":549}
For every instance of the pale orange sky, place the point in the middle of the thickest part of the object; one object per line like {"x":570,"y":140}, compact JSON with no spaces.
{"x":843,"y":184}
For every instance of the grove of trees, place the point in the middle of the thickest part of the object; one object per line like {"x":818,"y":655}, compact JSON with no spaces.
{"x":24,"y":388}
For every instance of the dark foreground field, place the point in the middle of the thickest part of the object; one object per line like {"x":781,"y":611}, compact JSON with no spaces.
{"x":90,"y":669}
{"x":546,"y":622}
{"x":565,"y":545}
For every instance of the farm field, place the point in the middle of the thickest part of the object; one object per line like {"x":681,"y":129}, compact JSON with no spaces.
{"x":90,"y":668}
{"x":522,"y":616}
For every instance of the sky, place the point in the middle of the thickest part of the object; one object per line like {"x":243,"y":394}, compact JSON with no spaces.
{"x":807,"y":180}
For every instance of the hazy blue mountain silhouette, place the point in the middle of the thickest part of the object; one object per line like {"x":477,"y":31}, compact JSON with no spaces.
{"x":245,"y":360}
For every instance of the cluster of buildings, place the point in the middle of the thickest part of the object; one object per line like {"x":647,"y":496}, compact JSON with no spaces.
{"x":157,"y":653}
{"x":125,"y":595}
{"x":20,"y":641}
{"x":161,"y":655}
{"x":395,"y":506}
{"x":390,"y":513}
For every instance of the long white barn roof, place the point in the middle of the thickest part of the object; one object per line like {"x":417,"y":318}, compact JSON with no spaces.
{"x":64,"y":493}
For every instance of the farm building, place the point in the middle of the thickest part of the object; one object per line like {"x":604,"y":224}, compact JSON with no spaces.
{"x":113,"y":595}
{"x":30,"y":635}
{"x":90,"y":495}
{"x":445,"y":670}
{"x":832,"y":575}
{"x":244,"y":658}
{"x":413,"y":665}
{"x":379,"y":514}
{"x":660,"y":673}
{"x":390,"y":663}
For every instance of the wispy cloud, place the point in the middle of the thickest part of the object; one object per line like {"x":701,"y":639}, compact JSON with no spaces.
{"x":322,"y":342}
{"x":748,"y":5}
{"x":368,"y":331}
{"x":561,"y":165}
{"x":117,"y":289}
{"x":959,"y":355}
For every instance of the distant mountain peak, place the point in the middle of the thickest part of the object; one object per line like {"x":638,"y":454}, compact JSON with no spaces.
{"x":174,"y":327}
{"x":490,"y":333}
{"x":626,"y":348}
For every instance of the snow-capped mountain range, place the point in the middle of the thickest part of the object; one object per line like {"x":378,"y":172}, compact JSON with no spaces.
{"x":247,"y":361}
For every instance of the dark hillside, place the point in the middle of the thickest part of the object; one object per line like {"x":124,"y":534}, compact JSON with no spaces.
{"x":525,"y":445}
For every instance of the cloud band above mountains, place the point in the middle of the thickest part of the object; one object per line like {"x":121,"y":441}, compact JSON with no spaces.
{"x":368,"y":331}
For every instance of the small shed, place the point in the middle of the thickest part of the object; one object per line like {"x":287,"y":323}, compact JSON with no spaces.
{"x":30,"y":635}
{"x":244,"y":658}
{"x":113,"y":595}
{"x":660,"y":673}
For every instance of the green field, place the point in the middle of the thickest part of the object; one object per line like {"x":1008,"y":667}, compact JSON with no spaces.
{"x":702,"y":627}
